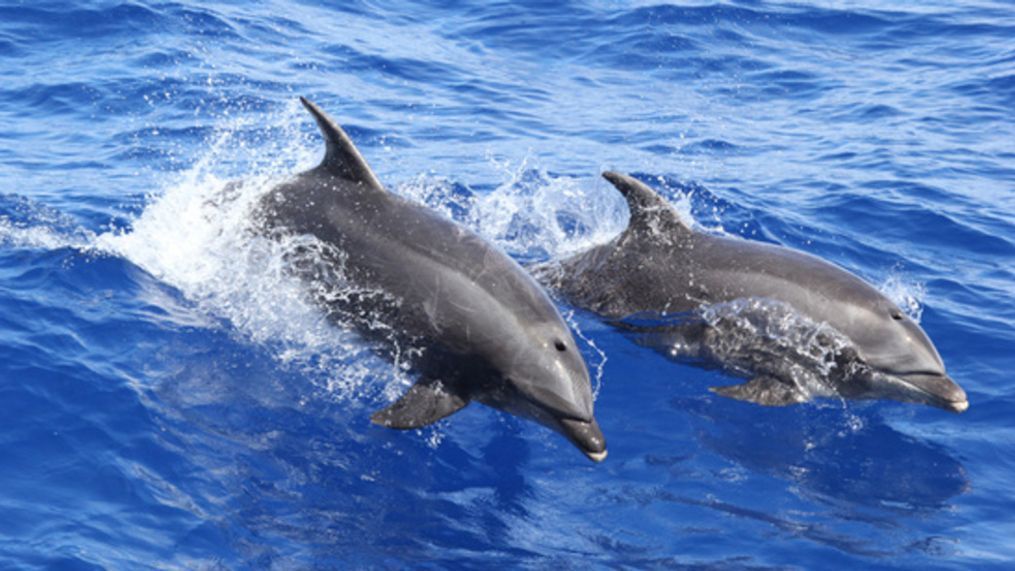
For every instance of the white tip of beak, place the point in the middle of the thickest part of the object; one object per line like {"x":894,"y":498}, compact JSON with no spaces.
{"x":960,"y":406}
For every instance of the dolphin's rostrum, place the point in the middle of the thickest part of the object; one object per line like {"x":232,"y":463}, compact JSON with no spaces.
{"x":796,"y":325}
{"x":470,"y":322}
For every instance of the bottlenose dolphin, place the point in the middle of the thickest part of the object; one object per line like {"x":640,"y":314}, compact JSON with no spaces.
{"x":467,"y":319}
{"x":795,"y":325}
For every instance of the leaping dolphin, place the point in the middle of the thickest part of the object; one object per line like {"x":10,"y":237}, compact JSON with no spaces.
{"x":795,"y":325}
{"x":471,"y":323}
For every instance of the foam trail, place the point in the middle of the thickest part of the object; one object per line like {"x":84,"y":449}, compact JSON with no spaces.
{"x":197,"y":236}
{"x":41,"y":237}
{"x":25,"y":223}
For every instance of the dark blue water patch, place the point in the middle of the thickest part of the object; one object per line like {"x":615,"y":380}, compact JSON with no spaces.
{"x":203,"y":22}
{"x":274,"y":28}
{"x":156,"y":152}
{"x":765,"y":20}
{"x":867,"y":113}
{"x":920,"y":192}
{"x":709,"y":208}
{"x":165,"y":59}
{"x":689,"y":16}
{"x":712,"y":67}
{"x":912,"y":220}
{"x":504,"y":26}
{"x":839,"y":157}
{"x":406,"y":69}
{"x":987,"y":331}
{"x":55,"y":22}
{"x":786,"y":83}
{"x":653,"y":49}
{"x":362,"y":8}
{"x":180,"y":97}
{"x":9,"y":47}
{"x":316,"y":510}
{"x":991,"y":27}
{"x":55,"y":99}
{"x":817,"y":451}
{"x":842,"y":22}
{"x":482,"y":93}
{"x":710,"y":147}
{"x":986,"y":323}
{"x":997,"y":88}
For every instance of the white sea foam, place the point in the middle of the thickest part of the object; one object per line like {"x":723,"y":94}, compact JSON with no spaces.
{"x":531,"y":214}
{"x":33,"y":225}
{"x":197,"y":236}
{"x":905,"y":293}
{"x":756,"y":335}
{"x":41,"y":236}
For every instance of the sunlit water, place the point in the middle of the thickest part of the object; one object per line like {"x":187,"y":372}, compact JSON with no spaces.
{"x":171,"y":399}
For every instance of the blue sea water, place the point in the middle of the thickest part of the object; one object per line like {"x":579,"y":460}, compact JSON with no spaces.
{"x":169,"y":400}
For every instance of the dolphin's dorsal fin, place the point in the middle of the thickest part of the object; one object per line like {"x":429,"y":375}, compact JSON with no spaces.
{"x":649,"y":211}
{"x":342,"y":159}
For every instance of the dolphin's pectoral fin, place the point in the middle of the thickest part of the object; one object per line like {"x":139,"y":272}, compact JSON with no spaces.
{"x":767,"y":391}
{"x":424,"y":403}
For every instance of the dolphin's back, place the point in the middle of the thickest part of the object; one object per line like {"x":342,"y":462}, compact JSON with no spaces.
{"x":660,"y":265}
{"x":737,"y":268}
{"x":436,"y":270}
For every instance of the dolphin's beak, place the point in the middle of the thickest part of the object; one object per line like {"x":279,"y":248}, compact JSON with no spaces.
{"x":586,"y":436}
{"x":941,"y":391}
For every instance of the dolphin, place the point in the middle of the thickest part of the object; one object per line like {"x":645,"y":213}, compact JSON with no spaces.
{"x":795,"y":325}
{"x":430,"y":296}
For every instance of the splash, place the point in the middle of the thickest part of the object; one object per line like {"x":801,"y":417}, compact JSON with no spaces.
{"x":600,"y":363}
{"x":905,"y":293}
{"x":531,"y":215}
{"x":755,"y":336}
{"x":25,"y":223}
{"x":41,"y":236}
{"x":197,"y":236}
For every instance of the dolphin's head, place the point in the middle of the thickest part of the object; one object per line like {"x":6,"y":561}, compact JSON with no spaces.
{"x":905,"y":363}
{"x":545,"y":379}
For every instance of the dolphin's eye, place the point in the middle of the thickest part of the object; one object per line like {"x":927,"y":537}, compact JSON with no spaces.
{"x":896,"y":315}
{"x":560,"y":345}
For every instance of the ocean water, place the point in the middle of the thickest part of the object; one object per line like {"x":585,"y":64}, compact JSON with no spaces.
{"x":170,"y":400}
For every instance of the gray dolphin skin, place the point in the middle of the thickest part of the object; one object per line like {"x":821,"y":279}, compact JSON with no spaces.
{"x":796,"y":326}
{"x":469,"y":321}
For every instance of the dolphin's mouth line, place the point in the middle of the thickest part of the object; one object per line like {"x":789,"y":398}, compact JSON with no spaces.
{"x":593,"y":446}
{"x":902,"y":375}
{"x":950,"y":404}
